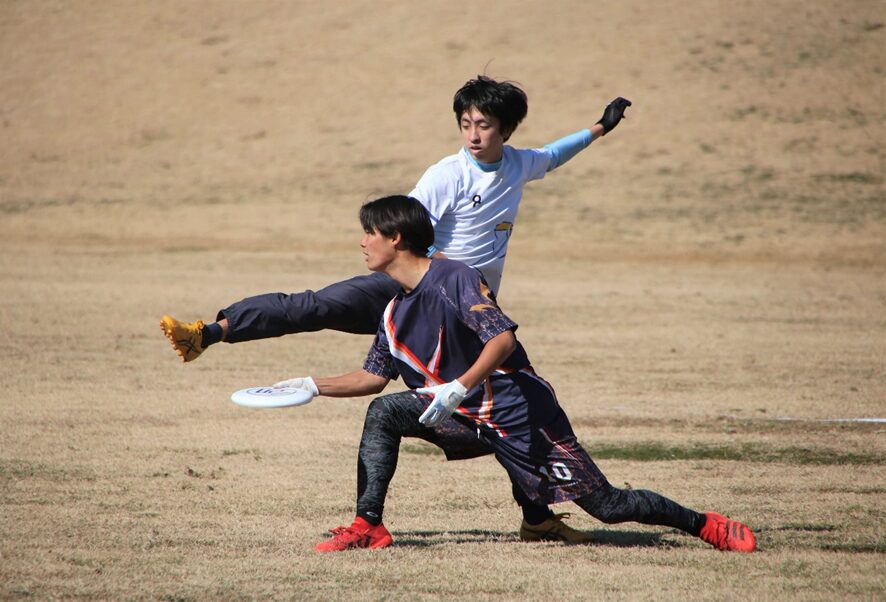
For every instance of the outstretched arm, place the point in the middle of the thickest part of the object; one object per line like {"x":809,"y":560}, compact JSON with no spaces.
{"x":567,"y":147}
{"x":353,"y":384}
{"x":597,"y":131}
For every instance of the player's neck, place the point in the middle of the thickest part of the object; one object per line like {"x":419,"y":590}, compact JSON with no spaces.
{"x":408,"y":270}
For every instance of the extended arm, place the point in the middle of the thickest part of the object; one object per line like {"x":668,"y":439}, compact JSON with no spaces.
{"x":353,"y":384}
{"x":596,"y":131}
{"x":567,"y":147}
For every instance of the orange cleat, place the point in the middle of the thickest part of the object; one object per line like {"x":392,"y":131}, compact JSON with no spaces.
{"x":726,"y":534}
{"x":359,"y":535}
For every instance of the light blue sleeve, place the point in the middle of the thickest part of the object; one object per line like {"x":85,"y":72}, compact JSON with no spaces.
{"x":565,"y":148}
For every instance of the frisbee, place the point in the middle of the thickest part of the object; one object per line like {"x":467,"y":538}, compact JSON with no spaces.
{"x":270,"y":397}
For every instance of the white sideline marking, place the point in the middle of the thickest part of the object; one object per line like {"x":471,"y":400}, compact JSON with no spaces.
{"x":869,"y":420}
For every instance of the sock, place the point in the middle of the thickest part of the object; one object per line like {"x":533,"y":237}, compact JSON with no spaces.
{"x":370,"y":517}
{"x":697,"y":523}
{"x":211,"y":333}
{"x":536,"y":515}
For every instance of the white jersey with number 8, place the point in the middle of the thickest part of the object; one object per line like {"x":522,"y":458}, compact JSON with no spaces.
{"x":473,"y":206}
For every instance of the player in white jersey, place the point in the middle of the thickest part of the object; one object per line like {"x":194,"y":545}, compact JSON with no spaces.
{"x":474,"y":205}
{"x":473,"y":197}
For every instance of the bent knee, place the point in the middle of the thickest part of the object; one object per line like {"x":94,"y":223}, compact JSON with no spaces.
{"x":378,"y":408}
{"x":398,"y":411}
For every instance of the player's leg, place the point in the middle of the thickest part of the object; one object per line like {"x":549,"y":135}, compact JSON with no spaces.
{"x":613,"y":505}
{"x":355,"y":306}
{"x":388,"y":419}
{"x":541,"y":524}
{"x":392,"y":417}
{"x":546,"y":458}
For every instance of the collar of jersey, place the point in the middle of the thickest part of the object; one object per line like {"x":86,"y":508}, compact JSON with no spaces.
{"x":487,"y":167}
{"x":420,"y":282}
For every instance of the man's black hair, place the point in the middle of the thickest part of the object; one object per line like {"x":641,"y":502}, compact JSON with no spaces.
{"x":391,"y":214}
{"x":502,"y":100}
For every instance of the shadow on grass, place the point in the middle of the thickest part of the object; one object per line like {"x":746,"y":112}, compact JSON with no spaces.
{"x":619,"y":539}
{"x":808,"y":528}
{"x":802,"y":536}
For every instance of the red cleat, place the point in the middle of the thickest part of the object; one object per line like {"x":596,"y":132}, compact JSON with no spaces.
{"x":359,"y":535}
{"x":726,"y":534}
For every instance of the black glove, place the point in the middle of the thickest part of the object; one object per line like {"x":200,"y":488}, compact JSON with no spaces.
{"x":613,"y":113}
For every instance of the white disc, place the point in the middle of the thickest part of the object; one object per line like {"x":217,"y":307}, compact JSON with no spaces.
{"x":269,"y":397}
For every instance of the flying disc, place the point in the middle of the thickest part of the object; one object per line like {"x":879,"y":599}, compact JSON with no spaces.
{"x":270,"y":397}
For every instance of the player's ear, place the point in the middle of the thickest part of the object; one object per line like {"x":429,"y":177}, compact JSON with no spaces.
{"x":397,"y":241}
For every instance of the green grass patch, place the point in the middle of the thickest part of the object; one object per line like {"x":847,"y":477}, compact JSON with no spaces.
{"x":876,"y":547}
{"x":24,"y":469}
{"x":857,"y":177}
{"x":651,"y":451}
{"x":873,"y":490}
{"x":250,"y":451}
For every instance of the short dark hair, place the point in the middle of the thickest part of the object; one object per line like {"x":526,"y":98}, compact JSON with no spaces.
{"x":392,"y":214}
{"x":503,"y":100}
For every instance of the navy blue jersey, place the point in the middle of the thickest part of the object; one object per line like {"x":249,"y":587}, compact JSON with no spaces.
{"x":435,"y":333}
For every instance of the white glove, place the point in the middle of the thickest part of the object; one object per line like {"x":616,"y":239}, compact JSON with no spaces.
{"x":447,"y":397}
{"x":306,"y":382}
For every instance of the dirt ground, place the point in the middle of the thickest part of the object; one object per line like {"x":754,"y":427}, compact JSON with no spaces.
{"x":713,"y":267}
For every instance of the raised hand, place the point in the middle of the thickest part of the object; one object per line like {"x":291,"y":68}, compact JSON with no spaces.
{"x":613,"y":113}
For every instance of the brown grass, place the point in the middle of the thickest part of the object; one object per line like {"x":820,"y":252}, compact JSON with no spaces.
{"x":716,"y":264}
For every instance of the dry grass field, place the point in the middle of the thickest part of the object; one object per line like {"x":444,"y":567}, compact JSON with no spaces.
{"x":714,"y":266}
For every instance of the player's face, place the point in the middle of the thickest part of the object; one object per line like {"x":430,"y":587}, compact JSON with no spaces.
{"x":482,"y":135}
{"x":378,"y":250}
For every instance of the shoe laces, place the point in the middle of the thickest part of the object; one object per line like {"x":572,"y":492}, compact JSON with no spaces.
{"x":344,"y":533}
{"x":718,"y":532}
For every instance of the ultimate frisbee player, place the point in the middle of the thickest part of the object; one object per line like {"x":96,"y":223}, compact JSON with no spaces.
{"x":474,"y":393}
{"x":473,"y":198}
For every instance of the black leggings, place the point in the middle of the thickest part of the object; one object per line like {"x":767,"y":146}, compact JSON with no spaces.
{"x":612,"y":505}
{"x":391,"y":417}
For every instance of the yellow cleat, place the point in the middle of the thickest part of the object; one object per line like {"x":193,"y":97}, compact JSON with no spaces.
{"x":184,"y":336}
{"x":554,"y":529}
